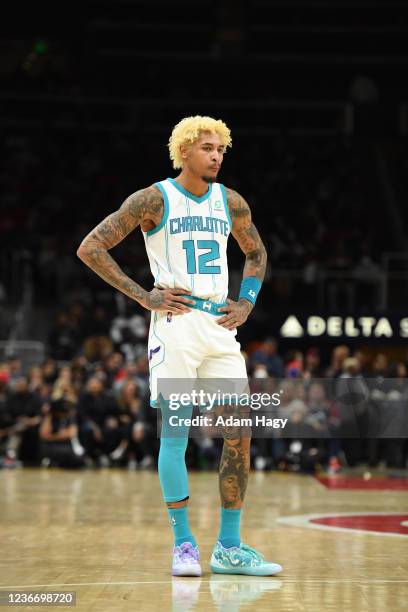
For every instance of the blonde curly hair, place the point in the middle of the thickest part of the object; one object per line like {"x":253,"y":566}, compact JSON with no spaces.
{"x":188,"y":130}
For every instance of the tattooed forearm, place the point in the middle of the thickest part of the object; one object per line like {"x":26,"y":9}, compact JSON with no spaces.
{"x":247,"y":236}
{"x":234,"y":464}
{"x":145,"y":205}
{"x":255,"y":260}
{"x":99,"y":260}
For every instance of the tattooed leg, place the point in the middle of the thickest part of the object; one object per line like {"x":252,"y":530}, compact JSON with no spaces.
{"x":235,"y":463}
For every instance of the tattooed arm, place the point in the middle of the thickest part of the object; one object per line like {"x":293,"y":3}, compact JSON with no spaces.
{"x":247,"y":236}
{"x":145,"y":208}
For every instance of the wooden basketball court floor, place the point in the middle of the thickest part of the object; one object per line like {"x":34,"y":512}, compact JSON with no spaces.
{"x":105,"y":535}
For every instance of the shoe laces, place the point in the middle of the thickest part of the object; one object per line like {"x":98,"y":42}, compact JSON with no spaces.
{"x":187,"y":550}
{"x":254,"y":553}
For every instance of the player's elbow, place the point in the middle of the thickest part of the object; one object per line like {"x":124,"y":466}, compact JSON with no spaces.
{"x":82,"y":252}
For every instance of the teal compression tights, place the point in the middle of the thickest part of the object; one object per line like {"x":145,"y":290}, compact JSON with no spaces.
{"x":172,"y":465}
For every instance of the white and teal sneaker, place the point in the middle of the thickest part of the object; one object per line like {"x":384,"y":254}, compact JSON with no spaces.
{"x":241,"y":560}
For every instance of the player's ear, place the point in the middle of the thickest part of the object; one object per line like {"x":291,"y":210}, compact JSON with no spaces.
{"x":184,"y":150}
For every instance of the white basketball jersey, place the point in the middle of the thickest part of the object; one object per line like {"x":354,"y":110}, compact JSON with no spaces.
{"x":188,"y":248}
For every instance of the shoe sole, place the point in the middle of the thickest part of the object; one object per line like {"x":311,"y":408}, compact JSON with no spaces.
{"x":250,"y":571}
{"x":187,"y":571}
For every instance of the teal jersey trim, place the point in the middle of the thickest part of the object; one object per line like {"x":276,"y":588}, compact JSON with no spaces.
{"x":191,"y":195}
{"x":227,"y":212}
{"x":165,"y":212}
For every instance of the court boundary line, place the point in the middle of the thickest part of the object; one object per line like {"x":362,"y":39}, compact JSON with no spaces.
{"x":316,"y":480}
{"x":304,"y":521}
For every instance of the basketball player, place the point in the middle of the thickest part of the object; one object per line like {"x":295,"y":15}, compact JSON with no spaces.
{"x":185,"y":224}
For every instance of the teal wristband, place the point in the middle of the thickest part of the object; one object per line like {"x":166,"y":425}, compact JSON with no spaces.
{"x":250,"y":287}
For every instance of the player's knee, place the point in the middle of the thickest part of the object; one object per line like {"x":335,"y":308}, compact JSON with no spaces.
{"x":174,"y":444}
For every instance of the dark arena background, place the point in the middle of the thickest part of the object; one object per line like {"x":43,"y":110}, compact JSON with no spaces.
{"x":316,"y":96}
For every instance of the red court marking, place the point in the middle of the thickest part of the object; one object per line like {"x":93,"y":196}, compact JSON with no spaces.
{"x":369,"y":522}
{"x":390,"y":524}
{"x":356,"y":483}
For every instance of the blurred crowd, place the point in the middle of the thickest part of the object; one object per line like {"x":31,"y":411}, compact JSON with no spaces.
{"x":76,"y":415}
{"x":327,"y":214}
{"x":88,"y":405}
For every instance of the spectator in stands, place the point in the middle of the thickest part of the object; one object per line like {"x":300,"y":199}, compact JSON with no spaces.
{"x":15,"y":370}
{"x":114,"y":368}
{"x":58,"y":433}
{"x":380,"y":365}
{"x":324,"y":421}
{"x":269,"y":448}
{"x":260,"y":370}
{"x":398,"y":371}
{"x":80,"y":369}
{"x":142,"y":373}
{"x":6,"y":422}
{"x":398,"y":395}
{"x":389,"y":398}
{"x":96,"y":409}
{"x":35,"y":379}
{"x":64,"y":388}
{"x":98,"y":345}
{"x":50,"y":371}
{"x":312,"y":364}
{"x":129,"y":335}
{"x":363,"y":362}
{"x":352,"y":396}
{"x":302,"y":453}
{"x":133,"y":419}
{"x":25,"y":409}
{"x":44,"y":392}
{"x":267,"y":355}
{"x":134,"y":370}
{"x":339,"y":354}
{"x":294,"y":367}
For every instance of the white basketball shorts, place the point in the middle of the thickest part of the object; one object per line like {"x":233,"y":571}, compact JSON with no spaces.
{"x":192,"y":346}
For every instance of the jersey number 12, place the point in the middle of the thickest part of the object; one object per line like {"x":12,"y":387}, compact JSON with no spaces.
{"x":213,"y":252}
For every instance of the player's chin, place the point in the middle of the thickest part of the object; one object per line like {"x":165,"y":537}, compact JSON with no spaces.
{"x":210,"y":178}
